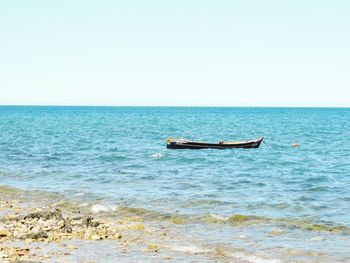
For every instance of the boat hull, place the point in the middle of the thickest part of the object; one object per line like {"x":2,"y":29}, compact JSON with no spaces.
{"x":200,"y":145}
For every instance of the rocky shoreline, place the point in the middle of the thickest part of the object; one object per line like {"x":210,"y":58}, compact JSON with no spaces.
{"x":51,"y":229}
{"x":45,"y":226}
{"x":37,"y":226}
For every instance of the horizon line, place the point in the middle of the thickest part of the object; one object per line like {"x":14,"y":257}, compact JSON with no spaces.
{"x":165,"y":106}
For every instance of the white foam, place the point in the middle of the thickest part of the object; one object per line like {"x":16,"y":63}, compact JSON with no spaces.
{"x":218,"y":217}
{"x":102,"y":208}
{"x":191,"y":249}
{"x":254,"y":259}
{"x":157,"y":155}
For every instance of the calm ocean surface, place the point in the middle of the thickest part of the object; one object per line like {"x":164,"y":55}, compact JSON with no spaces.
{"x":117,"y":155}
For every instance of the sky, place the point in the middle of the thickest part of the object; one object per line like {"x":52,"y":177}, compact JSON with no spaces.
{"x":175,"y":53}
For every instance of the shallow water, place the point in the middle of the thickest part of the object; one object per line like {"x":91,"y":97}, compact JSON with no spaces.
{"x":116,"y":157}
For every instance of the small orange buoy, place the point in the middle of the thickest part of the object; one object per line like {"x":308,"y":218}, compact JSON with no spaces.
{"x":295,"y":145}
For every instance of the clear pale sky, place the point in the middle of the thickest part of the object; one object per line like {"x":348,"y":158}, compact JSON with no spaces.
{"x":200,"y":53}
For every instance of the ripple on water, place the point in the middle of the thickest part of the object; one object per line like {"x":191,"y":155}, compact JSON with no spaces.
{"x":113,"y":158}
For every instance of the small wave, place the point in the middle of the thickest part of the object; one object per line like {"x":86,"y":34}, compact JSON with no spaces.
{"x":134,"y":211}
{"x":102,"y":208}
{"x":218,"y":217}
{"x":191,"y":249}
{"x":156,"y":155}
{"x":214,"y":218}
{"x":247,"y":219}
{"x":79,"y":194}
{"x":254,"y":259}
{"x":113,"y":158}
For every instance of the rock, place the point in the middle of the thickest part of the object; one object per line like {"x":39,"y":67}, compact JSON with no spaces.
{"x":55,"y":236}
{"x":34,"y":235}
{"x":3,"y":255}
{"x":163,"y":233}
{"x":238,"y":218}
{"x":315,"y":254}
{"x":90,"y":222}
{"x":67,"y":228}
{"x":176,"y":220}
{"x":61,"y":224}
{"x":10,"y":217}
{"x":276,"y":232}
{"x":78,"y":234}
{"x":317,"y":238}
{"x":88,"y":234}
{"x":5,"y":234}
{"x":137,"y":226}
{"x":46,"y":215}
{"x":152,"y":248}
{"x":21,"y":251}
{"x":28,"y":241}
{"x":219,"y":251}
{"x":118,"y":236}
{"x":71,"y":247}
{"x":295,"y":252}
{"x":96,"y":237}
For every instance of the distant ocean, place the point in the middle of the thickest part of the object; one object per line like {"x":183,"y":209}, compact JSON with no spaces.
{"x":118,"y":156}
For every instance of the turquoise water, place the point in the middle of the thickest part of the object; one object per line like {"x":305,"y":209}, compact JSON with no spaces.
{"x":118,"y":155}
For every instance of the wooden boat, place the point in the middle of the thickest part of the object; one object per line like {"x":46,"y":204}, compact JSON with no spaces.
{"x":186,"y":144}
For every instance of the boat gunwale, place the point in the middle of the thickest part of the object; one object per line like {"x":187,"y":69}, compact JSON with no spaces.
{"x":202,"y":145}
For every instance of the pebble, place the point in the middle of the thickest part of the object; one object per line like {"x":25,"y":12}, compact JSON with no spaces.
{"x":317,"y":238}
{"x":71,"y":247}
{"x":152,"y":248}
{"x":276,"y":232}
{"x":4,"y":234}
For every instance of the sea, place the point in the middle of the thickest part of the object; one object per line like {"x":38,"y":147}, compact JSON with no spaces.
{"x":274,"y":203}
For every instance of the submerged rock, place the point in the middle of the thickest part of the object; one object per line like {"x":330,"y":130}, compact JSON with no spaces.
{"x":34,"y":235}
{"x":317,"y":238}
{"x":21,"y":251}
{"x":177,"y":220}
{"x":72,"y":247}
{"x":276,"y":232}
{"x":46,"y":215}
{"x":5,"y":234}
{"x":219,"y":251}
{"x":152,"y":248}
{"x":238,"y":218}
{"x":90,"y":222}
